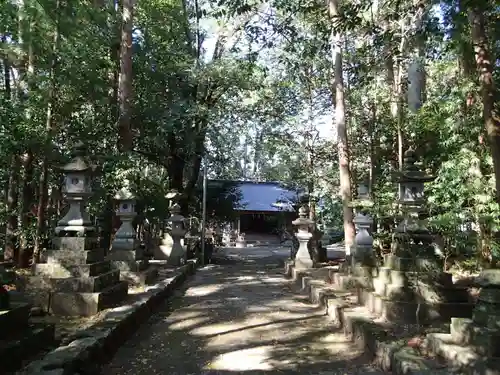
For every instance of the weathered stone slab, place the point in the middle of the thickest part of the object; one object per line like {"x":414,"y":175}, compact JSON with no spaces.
{"x":461,"y":330}
{"x":140,"y":278}
{"x":127,"y":255}
{"x":57,"y":270}
{"x":87,"y":304}
{"x":85,"y":284}
{"x":71,"y":258}
{"x":491,"y":296}
{"x":489,"y":278}
{"x":410,"y":264}
{"x":75,"y":244}
{"x":85,"y":351}
{"x":130,"y":265}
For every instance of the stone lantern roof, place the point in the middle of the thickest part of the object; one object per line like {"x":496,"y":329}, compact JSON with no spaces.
{"x":175,"y":210}
{"x":411,"y":172}
{"x":124,"y":194}
{"x":303,"y":219}
{"x":77,"y":163}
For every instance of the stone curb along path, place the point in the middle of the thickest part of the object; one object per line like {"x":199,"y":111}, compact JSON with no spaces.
{"x":388,"y":356}
{"x":85,"y":352}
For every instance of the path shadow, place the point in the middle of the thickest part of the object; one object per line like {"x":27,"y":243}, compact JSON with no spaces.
{"x":239,"y":318}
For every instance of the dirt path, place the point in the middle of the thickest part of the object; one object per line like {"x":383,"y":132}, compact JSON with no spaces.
{"x":238,"y":318}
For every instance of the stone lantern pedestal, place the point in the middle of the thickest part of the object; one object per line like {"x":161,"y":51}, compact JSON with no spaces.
{"x":303,"y":223}
{"x":362,"y":258}
{"x":126,"y":253}
{"x":412,"y":278}
{"x":73,"y":278}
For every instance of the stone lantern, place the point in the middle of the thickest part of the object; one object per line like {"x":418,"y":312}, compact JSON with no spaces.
{"x":363,"y":240}
{"x":125,"y":237}
{"x":126,"y":253}
{"x":81,"y":282}
{"x":362,"y":251}
{"x":77,"y":189}
{"x":412,"y":198}
{"x":304,"y":224}
{"x":177,"y":255}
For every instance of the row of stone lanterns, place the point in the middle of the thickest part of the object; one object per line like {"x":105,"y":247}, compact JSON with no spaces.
{"x":84,"y":278}
{"x":411,"y":198}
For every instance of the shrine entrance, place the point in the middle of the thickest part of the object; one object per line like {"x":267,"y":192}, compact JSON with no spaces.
{"x":258,"y":222}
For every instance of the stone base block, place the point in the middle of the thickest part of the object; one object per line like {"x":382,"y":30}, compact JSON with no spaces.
{"x":87,"y":304}
{"x":141,"y":278}
{"x":26,"y":342}
{"x":345,"y":282}
{"x":486,"y":341}
{"x":130,"y":265}
{"x":463,"y":358}
{"x":399,"y":263}
{"x":72,"y":258}
{"x":75,"y":244}
{"x":126,"y":255}
{"x":89,"y":284}
{"x":289,"y":268}
{"x":56,"y":270}
{"x":303,"y":263}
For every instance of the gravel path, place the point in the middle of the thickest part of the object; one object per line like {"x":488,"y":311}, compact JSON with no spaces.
{"x":239,"y":317}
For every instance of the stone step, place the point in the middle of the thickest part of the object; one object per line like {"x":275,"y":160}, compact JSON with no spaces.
{"x":389,"y":349}
{"x":24,"y":345}
{"x":368,"y":324}
{"x":442,"y":344}
{"x":396,"y":310}
{"x":368,"y":329}
{"x":87,"y":304}
{"x":468,"y":332}
{"x":57,"y":270}
{"x":320,"y":291}
{"x":464,"y":358}
{"x":344,"y":282}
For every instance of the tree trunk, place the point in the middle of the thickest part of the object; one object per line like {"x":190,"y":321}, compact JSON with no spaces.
{"x":28,"y":192}
{"x":342,"y":141}
{"x":125,"y":137}
{"x":12,"y":203}
{"x":107,"y":223}
{"x":484,"y":64}
{"x":12,"y":187}
{"x":50,"y":128}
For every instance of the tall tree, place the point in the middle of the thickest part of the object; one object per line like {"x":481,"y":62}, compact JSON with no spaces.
{"x":340,"y":122}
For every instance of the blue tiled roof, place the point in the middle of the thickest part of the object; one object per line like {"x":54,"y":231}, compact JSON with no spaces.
{"x":265,"y":196}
